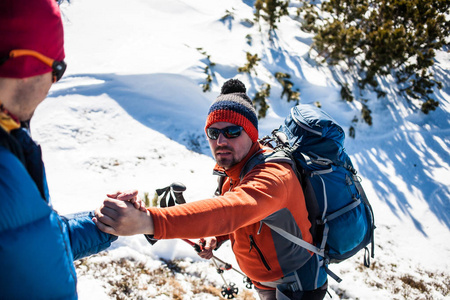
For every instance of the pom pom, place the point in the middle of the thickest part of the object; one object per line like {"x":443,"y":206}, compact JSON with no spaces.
{"x":233,"y":86}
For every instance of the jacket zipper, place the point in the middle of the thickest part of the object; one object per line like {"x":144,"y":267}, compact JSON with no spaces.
{"x":253,"y":244}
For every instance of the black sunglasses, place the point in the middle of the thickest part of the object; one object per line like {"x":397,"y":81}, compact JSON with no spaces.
{"x":58,"y":67}
{"x":229,"y":132}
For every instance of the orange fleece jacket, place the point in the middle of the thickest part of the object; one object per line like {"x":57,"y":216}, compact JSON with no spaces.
{"x":237,"y":213}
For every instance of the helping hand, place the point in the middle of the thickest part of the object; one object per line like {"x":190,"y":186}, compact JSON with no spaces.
{"x":120,"y":217}
{"x":130,"y":196}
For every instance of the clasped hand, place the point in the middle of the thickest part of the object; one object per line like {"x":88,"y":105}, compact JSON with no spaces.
{"x":123,"y":213}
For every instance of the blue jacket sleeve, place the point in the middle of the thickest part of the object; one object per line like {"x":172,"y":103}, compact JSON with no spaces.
{"x":85,"y":238}
{"x":36,"y":243}
{"x":35,"y":256}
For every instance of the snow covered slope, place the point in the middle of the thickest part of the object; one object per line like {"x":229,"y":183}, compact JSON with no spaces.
{"x":130,"y":113}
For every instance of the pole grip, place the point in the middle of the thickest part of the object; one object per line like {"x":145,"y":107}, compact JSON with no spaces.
{"x":178,"y":188}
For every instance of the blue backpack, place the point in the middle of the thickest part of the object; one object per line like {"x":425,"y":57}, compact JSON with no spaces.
{"x":342,"y":220}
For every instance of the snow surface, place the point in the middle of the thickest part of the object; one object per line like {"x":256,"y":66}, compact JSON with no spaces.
{"x":130,"y":112}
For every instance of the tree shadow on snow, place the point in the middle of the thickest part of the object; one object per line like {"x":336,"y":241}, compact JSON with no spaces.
{"x":168,"y":103}
{"x":176,"y":106}
{"x":417,"y":155}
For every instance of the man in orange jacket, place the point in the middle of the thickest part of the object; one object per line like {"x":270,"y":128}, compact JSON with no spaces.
{"x":268,"y":194}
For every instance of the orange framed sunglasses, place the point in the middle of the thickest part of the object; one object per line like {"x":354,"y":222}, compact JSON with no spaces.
{"x":58,"y":67}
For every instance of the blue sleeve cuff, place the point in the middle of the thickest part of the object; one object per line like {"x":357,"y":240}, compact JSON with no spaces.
{"x":85,"y":238}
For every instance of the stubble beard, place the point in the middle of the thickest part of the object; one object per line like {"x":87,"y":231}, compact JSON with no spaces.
{"x":226,"y":162}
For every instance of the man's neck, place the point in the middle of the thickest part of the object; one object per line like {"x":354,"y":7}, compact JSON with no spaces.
{"x":235,"y":170}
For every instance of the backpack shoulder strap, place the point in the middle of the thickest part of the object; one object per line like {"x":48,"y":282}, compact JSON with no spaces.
{"x":264,"y":156}
{"x":220,"y":181}
{"x":372,"y":229}
{"x":283,"y":155}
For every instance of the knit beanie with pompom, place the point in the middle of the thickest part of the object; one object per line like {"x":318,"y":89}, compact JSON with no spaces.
{"x":234,"y":106}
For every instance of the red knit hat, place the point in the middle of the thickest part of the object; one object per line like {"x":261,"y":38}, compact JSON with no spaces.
{"x":234,"y":106}
{"x":32,"y":25}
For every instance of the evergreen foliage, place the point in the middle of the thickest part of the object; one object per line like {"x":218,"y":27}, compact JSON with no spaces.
{"x":351,"y":132}
{"x":154,"y":202}
{"x":307,"y":14}
{"x":287,"y":85}
{"x":271,"y":11}
{"x":346,"y":93}
{"x":146,"y":199}
{"x":208,"y":70}
{"x":366,"y":114}
{"x":229,"y":15}
{"x":249,"y":39}
{"x":374,"y":38}
{"x":386,"y":37}
{"x":252,"y":61}
{"x":260,"y":100}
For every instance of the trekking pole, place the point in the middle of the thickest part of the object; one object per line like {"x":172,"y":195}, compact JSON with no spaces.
{"x":178,"y":189}
{"x":227,"y":266}
{"x":229,"y":290}
{"x":198,"y":248}
{"x":247,"y":281}
{"x":174,"y":192}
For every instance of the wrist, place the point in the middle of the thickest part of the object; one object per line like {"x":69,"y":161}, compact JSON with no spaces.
{"x":149,"y":226}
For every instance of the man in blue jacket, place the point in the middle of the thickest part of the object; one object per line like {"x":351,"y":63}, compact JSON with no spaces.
{"x":37,"y":246}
